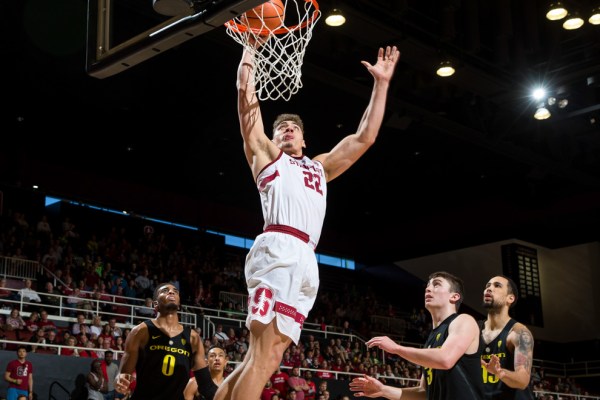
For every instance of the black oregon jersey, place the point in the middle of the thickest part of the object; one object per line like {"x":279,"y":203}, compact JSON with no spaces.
{"x":163,"y":366}
{"x":459,"y":382}
{"x":494,"y":388}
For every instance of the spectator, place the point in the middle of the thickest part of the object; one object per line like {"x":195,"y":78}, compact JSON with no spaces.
{"x":27,"y":294}
{"x":80,"y":326}
{"x":96,"y":327}
{"x":51,"y":298}
{"x":324,"y":372}
{"x":279,"y":380}
{"x":19,"y":375}
{"x":71,"y":350}
{"x":221,"y":336}
{"x":312,"y":386}
{"x":110,"y":370}
{"x":45,"y":323}
{"x":14,"y":321}
{"x":5,"y":292}
{"x":147,"y":310}
{"x":32,"y":323}
{"x":268,"y":391}
{"x":297,"y":383}
{"x":38,"y":338}
{"x":96,"y":383}
{"x":114,"y":328}
{"x":52,"y":339}
{"x":143,"y":283}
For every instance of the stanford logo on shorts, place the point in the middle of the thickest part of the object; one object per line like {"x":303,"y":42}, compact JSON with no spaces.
{"x":262,"y":299}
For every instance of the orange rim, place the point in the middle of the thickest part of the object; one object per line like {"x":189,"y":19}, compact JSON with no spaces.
{"x":231,"y":24}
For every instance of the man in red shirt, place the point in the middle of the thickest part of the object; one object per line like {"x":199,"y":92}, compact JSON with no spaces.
{"x":19,"y":375}
{"x":298,"y":383}
{"x":312,"y":386}
{"x":279,"y":380}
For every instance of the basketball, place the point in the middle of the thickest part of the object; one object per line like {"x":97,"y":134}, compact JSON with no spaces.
{"x":268,"y":15}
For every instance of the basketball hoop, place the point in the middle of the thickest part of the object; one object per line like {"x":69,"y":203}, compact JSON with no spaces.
{"x":279,"y":55}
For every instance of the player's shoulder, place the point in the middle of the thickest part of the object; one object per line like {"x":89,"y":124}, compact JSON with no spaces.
{"x":466,"y":321}
{"x":139,"y":330}
{"x":519,"y":328}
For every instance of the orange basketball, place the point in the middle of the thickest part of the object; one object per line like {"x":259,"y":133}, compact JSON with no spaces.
{"x":268,"y":15}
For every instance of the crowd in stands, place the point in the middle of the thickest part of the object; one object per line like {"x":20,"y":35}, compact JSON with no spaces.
{"x":112,"y":261}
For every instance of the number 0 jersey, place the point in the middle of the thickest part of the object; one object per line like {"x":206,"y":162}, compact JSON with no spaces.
{"x":163,"y":365}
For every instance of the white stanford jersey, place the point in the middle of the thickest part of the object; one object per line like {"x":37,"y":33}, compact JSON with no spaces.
{"x":293,"y":192}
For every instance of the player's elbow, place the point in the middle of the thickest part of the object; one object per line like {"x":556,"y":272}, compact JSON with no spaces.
{"x":447,"y":363}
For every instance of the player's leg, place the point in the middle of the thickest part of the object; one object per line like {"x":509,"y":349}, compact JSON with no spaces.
{"x":265,"y":353}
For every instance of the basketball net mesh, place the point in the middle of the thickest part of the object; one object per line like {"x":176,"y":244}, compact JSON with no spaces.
{"x":278,"y":60}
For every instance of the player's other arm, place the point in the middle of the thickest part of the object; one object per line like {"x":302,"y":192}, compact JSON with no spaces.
{"x":522,"y":340}
{"x":137,"y":338}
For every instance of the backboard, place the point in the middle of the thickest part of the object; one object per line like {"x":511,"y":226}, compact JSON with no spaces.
{"x":112,"y":47}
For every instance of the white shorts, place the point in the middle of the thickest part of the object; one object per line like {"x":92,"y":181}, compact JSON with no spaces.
{"x":283,"y":279}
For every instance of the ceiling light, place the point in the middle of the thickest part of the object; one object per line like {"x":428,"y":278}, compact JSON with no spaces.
{"x":551,"y":100}
{"x":542,"y":113}
{"x":563,"y":103}
{"x":335,"y":18}
{"x":573,"y":21}
{"x":445,"y":69}
{"x":595,"y":17}
{"x":556,"y":11}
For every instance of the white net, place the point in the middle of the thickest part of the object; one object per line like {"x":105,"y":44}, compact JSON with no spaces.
{"x":278,"y":59}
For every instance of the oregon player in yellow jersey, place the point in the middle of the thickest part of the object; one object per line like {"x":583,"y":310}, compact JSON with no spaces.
{"x":162,"y":351}
{"x":450,"y":357}
{"x":507,"y":345}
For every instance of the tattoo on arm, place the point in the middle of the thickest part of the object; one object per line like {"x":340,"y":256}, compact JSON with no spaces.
{"x":524,"y":349}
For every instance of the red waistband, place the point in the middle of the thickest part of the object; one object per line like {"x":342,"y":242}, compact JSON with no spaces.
{"x":289,"y":230}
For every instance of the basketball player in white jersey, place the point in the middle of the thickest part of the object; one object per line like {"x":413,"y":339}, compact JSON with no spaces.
{"x":281,"y":268}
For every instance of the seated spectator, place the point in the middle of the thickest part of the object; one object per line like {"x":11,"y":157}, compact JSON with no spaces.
{"x":147,"y":310}
{"x":119,"y":344}
{"x":114,"y":328}
{"x":96,"y":327}
{"x":14,"y":321}
{"x":27,"y":294}
{"x":106,"y":335}
{"x":51,"y":298}
{"x":324,"y":371}
{"x":80,"y":326}
{"x":268,"y":391}
{"x":32,"y":323}
{"x":75,"y":301}
{"x":46,"y":324}
{"x":5,"y":292}
{"x":71,"y":350}
{"x":38,"y":338}
{"x":51,"y":338}
{"x":221,"y":336}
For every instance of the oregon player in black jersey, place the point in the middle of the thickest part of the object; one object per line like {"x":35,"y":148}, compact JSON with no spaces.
{"x":161,"y":351}
{"x":507,"y":345}
{"x":450,"y":358}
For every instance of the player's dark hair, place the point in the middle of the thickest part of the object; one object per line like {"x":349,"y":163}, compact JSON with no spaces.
{"x":456,"y":284}
{"x":512,"y":289}
{"x":155,"y":294}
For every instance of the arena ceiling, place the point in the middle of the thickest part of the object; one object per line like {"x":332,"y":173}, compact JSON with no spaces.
{"x":460,"y":161}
